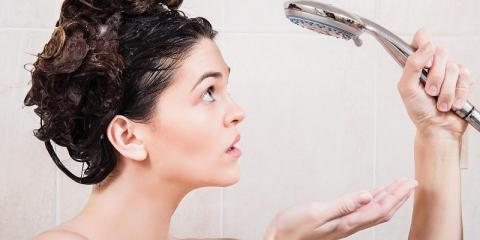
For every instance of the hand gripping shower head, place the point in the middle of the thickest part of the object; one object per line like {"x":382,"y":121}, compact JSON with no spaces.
{"x":329,"y":20}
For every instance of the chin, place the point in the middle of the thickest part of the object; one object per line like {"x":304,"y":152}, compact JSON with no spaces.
{"x":228,"y":180}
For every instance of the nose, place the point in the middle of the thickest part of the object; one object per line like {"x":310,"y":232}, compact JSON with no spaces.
{"x":235,"y":114}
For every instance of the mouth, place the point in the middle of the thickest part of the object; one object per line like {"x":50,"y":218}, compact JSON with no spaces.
{"x":232,"y":150}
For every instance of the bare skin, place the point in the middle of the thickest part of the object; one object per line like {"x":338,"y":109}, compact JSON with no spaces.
{"x":437,"y":204}
{"x":437,"y":212}
{"x":183,"y":148}
{"x":161,"y":162}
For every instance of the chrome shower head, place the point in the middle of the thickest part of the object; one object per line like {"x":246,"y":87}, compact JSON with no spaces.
{"x":325,"y":19}
{"x":329,"y":20}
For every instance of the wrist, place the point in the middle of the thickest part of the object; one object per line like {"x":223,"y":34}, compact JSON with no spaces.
{"x":437,"y":149}
{"x":438,"y":136}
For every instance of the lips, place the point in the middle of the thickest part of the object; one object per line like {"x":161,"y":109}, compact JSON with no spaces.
{"x":232,"y":146}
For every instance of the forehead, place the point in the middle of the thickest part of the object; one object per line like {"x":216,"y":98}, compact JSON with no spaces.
{"x":203,"y":57}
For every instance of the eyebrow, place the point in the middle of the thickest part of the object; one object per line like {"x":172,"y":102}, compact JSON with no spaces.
{"x":209,"y":74}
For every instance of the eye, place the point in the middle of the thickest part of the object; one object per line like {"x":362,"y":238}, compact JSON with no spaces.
{"x":208,"y":95}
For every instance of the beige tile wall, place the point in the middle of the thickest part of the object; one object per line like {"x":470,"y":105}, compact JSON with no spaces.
{"x":323,"y":117}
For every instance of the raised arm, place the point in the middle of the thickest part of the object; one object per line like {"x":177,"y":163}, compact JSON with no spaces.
{"x":437,"y":203}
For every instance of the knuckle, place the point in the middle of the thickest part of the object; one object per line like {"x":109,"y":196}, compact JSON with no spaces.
{"x":347,"y":207}
{"x":466,"y":75}
{"x":435,"y":76}
{"x":345,"y":226}
{"x":441,"y":51}
{"x":451,"y":66}
{"x":423,"y":34}
{"x":463,"y":86}
{"x":446,"y":96}
{"x":428,"y":49}
{"x":461,"y":92}
{"x":414,"y":62}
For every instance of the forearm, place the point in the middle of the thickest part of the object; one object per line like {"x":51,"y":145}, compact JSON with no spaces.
{"x":437,"y":203}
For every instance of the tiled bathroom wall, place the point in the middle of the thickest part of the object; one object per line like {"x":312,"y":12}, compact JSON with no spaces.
{"x":323,"y":117}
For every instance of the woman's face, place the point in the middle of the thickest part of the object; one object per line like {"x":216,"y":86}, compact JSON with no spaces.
{"x":195,"y":123}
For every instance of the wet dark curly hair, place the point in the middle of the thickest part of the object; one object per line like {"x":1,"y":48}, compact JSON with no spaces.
{"x":106,"y":58}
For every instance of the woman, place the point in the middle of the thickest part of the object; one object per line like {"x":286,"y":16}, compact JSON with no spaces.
{"x":138,"y":92}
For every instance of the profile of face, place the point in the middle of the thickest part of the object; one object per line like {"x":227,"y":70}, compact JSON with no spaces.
{"x":189,"y":137}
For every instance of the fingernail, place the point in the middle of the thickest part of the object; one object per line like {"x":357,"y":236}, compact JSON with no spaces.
{"x":458,"y":104}
{"x":433,"y":90}
{"x":365,"y":198}
{"x":443,"y":107}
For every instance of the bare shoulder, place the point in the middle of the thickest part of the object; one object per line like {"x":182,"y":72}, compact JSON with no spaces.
{"x":59,"y":234}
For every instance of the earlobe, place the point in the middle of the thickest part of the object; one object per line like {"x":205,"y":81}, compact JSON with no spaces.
{"x":125,"y":138}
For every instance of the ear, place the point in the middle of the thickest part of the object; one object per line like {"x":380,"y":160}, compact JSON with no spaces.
{"x":126,"y":137}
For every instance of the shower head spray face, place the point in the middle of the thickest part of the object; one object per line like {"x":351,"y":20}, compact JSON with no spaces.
{"x":325,"y":19}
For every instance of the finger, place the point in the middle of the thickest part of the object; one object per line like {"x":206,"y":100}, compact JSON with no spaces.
{"x":389,"y":215}
{"x":386,"y":205}
{"x":447,"y":93}
{"x":473,"y":88}
{"x":359,"y":219}
{"x":463,"y":89}
{"x":408,"y":85}
{"x":396,"y":192}
{"x":392,"y":199}
{"x":376,"y":191}
{"x":343,"y":206}
{"x":405,"y":198}
{"x":362,"y":218}
{"x":422,"y":37}
{"x":396,"y":184}
{"x":380,"y":190}
{"x":436,"y":73}
{"x":331,"y":227}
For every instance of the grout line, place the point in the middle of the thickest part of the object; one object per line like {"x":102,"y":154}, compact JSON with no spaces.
{"x":222,"y":204}
{"x":57,"y":198}
{"x":25,"y":28}
{"x":268,"y":33}
{"x":375,"y":129}
{"x":221,"y":212}
{"x":309,"y":33}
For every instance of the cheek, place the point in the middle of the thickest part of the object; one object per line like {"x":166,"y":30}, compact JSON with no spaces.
{"x":195,"y":134}
{"x":187,"y":145}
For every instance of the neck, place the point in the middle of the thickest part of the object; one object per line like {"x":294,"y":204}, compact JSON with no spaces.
{"x":132,"y":208}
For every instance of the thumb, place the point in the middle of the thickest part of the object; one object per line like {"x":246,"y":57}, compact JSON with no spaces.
{"x":346,"y":205}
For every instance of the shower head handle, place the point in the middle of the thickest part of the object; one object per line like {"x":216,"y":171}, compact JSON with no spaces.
{"x":329,"y":20}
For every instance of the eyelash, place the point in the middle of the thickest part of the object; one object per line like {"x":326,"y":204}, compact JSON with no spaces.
{"x":210,"y":91}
